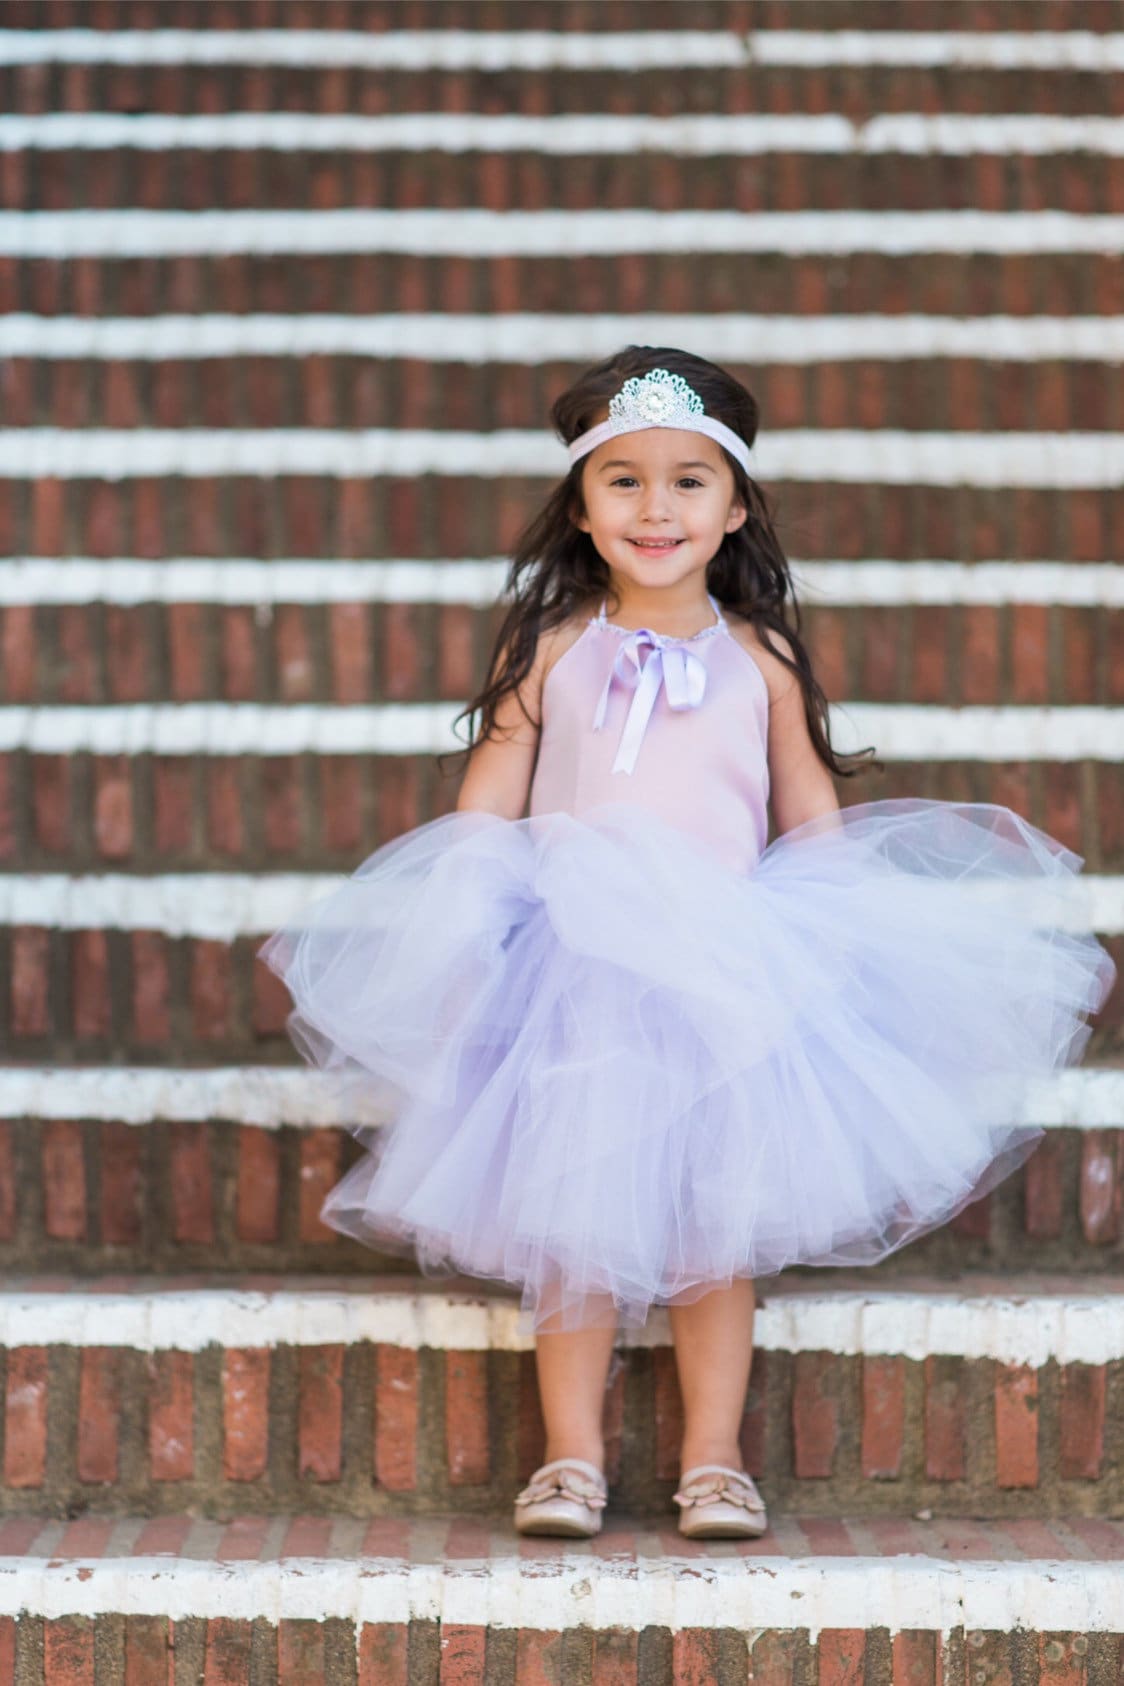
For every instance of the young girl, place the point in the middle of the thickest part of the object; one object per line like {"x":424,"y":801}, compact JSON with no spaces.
{"x":633,"y":1056}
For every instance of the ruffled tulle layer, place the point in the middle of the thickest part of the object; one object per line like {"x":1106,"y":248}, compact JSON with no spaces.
{"x":619,"y":1072}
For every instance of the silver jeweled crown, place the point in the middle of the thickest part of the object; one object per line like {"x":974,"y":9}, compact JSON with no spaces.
{"x":660,"y":399}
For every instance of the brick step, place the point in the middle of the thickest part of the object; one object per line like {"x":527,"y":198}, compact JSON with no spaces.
{"x":88,"y":1195}
{"x":114,"y":994}
{"x":387,"y":1396}
{"x":578,"y":16}
{"x":334,"y":391}
{"x":858,"y":280}
{"x":959,"y":175}
{"x":1017,"y":649}
{"x":1079,"y":83}
{"x":957,"y":654}
{"x":79,"y":812}
{"x":455,"y":1601}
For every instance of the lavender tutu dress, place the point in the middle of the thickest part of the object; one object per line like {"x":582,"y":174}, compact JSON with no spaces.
{"x":627,"y":1049}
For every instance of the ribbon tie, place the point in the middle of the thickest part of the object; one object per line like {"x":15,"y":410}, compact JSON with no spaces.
{"x":681,"y":673}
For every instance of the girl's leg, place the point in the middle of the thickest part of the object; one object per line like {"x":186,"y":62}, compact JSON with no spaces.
{"x":573,"y":1367}
{"x":713,"y":1349}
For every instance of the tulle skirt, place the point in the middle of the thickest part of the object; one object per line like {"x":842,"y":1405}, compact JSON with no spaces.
{"x":618,"y":1073}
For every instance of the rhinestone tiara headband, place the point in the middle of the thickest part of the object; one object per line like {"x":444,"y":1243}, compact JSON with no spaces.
{"x":659,"y":399}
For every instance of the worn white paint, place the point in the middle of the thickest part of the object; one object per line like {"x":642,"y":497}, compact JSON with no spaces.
{"x":874,"y":456}
{"x":233,"y":729}
{"x":953,"y":49}
{"x":478,"y":582}
{"x":123,"y":234}
{"x":688,"y":135}
{"x":1080,"y":584}
{"x":222,"y":906}
{"x":474,"y":582}
{"x":899,"y":731}
{"x":514,"y":337}
{"x":908,"y":732}
{"x":398,"y":49}
{"x":625,"y":52}
{"x":217,"y":906}
{"x":1022,"y":1325}
{"x":269,"y":1097}
{"x":578,"y":1587}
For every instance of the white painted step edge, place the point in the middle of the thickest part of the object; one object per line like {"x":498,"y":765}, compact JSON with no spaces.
{"x":536,"y":338}
{"x":578,"y":1589}
{"x":432,"y":232}
{"x":269,"y":1097}
{"x":1025,"y":1325}
{"x":574,"y":134}
{"x":478,"y":582}
{"x":223,"y":906}
{"x":1076,"y":461}
{"x":898,"y":731}
{"x":626,"y":52}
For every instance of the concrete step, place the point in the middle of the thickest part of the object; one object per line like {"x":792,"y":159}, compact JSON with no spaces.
{"x":457,"y":1601}
{"x":387,"y":1396}
{"x":148,"y":1183}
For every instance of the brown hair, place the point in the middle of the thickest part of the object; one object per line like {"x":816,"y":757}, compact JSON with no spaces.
{"x":556,"y":570}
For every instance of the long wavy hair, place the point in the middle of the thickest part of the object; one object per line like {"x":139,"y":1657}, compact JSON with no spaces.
{"x":555,"y":569}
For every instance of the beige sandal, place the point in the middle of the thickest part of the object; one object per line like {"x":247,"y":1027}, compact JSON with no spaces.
{"x":565,"y":1496}
{"x":719,"y":1503}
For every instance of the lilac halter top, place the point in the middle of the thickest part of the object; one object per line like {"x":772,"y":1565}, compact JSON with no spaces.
{"x":678,"y":725}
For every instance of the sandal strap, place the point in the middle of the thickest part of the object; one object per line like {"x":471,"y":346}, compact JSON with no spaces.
{"x":713,"y":1483}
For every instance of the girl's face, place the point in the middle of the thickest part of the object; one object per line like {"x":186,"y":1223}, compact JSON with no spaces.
{"x":658,"y":504}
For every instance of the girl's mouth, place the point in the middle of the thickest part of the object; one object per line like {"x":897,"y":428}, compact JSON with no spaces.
{"x":656,"y":544}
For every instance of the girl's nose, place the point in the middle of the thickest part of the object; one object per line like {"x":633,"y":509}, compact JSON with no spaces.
{"x":656,"y":508}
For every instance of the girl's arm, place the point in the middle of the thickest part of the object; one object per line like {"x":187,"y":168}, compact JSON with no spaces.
{"x":497,"y":779}
{"x":801,"y":787}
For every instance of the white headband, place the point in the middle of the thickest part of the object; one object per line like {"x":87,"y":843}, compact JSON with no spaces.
{"x":660,"y":399}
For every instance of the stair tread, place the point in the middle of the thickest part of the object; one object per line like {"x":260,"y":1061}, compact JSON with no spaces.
{"x":452,"y":1538}
{"x":811,"y":1574}
{"x":1016,"y":1318}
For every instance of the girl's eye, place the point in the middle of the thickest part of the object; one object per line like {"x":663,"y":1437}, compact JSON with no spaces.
{"x":685,"y":479}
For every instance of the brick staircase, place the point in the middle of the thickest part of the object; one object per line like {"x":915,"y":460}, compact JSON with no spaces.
{"x":253,"y":256}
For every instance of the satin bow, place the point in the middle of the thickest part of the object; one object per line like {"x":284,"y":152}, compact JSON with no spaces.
{"x":681,"y":673}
